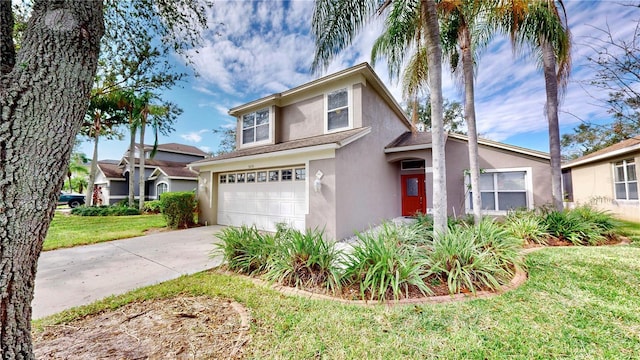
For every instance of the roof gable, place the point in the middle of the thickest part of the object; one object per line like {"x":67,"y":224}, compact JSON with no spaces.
{"x":621,"y":148}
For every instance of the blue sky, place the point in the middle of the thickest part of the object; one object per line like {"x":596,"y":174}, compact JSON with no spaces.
{"x":256,"y":48}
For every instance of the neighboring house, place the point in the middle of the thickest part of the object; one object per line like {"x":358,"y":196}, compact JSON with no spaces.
{"x":166,"y":171}
{"x":338,"y":154}
{"x":607,"y":179}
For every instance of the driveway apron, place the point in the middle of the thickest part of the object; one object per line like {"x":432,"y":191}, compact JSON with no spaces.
{"x":81,"y":275}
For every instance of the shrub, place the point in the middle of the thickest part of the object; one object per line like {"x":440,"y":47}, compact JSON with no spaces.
{"x":571,"y":226}
{"x":177,"y":208}
{"x":245,"y":249}
{"x":104,"y":210}
{"x":472,"y":258}
{"x":526,"y":225}
{"x":153,"y":207}
{"x":304,"y":259}
{"x":602,"y":220}
{"x":381,"y":264}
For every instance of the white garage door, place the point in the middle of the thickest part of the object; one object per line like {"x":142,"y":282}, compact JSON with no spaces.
{"x":263,"y":198}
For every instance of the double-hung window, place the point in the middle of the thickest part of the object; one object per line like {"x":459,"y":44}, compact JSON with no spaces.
{"x":338,"y":110}
{"x":255,"y":127}
{"x":625,"y":180}
{"x":503,"y":190}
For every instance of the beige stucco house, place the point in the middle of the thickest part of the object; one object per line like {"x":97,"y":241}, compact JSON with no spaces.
{"x":607,"y":179}
{"x":339,"y":154}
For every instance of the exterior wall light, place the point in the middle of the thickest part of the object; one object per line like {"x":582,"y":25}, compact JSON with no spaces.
{"x":317,"y":183}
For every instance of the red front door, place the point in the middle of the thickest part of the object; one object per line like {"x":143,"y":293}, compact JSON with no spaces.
{"x":413,"y":195}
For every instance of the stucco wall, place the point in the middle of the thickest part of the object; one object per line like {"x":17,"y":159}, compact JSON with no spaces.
{"x":301,"y":120}
{"x":323,"y":203}
{"x":457,"y":157}
{"x":367,"y":186}
{"x":593,"y":184}
{"x":207,"y":212}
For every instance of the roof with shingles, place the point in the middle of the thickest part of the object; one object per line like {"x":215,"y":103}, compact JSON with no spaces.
{"x":416,"y":139}
{"x":336,"y":138}
{"x":179,"y":148}
{"x":620,"y":148}
{"x":110,"y":170}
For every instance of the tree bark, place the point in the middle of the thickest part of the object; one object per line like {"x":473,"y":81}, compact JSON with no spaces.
{"x":7,"y":48}
{"x":470,"y":117}
{"x":43,"y":100}
{"x":434,"y":59}
{"x":141,"y":174}
{"x":551,"y":84}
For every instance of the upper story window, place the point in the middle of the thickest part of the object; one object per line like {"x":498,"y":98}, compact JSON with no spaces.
{"x":502,"y":190}
{"x":625,"y":181}
{"x":338,"y":116}
{"x":255,"y":126}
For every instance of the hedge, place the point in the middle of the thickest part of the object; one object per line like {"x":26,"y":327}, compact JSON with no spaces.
{"x":177,"y":208}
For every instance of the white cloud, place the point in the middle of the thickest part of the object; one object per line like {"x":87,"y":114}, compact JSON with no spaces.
{"x":258,"y":48}
{"x":194,"y":136}
{"x":206,"y":149}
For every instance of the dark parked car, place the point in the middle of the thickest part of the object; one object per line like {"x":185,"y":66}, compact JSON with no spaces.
{"x":73,"y":200}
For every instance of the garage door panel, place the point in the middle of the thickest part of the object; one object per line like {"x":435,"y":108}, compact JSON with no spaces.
{"x":262,"y":204}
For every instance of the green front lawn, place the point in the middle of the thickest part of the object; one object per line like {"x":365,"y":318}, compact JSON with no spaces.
{"x":632,"y":231}
{"x":578,"y":303}
{"x":69,"y":230}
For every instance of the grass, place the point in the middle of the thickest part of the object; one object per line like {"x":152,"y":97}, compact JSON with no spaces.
{"x":68,"y":231}
{"x":631,"y":230}
{"x":578,"y":303}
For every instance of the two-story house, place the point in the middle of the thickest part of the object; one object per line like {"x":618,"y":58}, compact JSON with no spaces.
{"x":166,"y":171}
{"x":339,"y":154}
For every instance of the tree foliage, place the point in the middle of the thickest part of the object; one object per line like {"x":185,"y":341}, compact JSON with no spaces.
{"x":227,"y":140}
{"x":453,"y":115}
{"x":617,"y":74}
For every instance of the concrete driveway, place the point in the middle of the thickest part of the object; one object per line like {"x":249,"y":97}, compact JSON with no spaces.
{"x":84,"y":274}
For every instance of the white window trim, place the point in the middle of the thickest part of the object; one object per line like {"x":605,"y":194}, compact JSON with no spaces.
{"x":625,"y":182}
{"x":261,"y":142}
{"x":528,"y":179}
{"x":160,"y":183}
{"x":349,"y":109}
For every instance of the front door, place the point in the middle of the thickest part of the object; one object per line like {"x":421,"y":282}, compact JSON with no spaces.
{"x":413,"y":194}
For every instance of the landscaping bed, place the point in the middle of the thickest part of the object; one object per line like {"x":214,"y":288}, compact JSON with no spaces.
{"x":400,"y":261}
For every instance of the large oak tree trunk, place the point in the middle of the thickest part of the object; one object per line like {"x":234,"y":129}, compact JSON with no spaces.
{"x":470,"y":117}
{"x":43,"y":100}
{"x":434,"y":59}
{"x":551,"y":84}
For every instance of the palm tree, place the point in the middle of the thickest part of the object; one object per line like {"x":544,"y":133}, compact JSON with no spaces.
{"x":76,"y":166}
{"x":460,"y":20}
{"x":336,"y":23}
{"x":542,"y":25}
{"x":101,"y":120}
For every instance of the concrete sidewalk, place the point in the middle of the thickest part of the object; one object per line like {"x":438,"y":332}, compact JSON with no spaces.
{"x":84,"y":274}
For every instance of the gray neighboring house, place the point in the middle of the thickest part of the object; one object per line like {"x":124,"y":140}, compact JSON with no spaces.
{"x":167,"y":171}
{"x":339,"y":154}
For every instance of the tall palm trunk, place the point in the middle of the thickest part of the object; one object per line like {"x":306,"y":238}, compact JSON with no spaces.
{"x":434,"y":59}
{"x":141,"y":174}
{"x":94,"y":163}
{"x":470,"y":117}
{"x":551,"y":84}
{"x":132,"y":162}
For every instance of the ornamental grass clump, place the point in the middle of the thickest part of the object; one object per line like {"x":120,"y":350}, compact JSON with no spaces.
{"x":571,"y":226}
{"x":473,"y":258}
{"x":382,"y":265}
{"x":304,"y":260}
{"x":526,"y":225}
{"x":245,"y":249}
{"x":602,"y":220}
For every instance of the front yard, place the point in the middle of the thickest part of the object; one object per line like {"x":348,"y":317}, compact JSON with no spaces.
{"x":578,"y":303}
{"x":68,"y":231}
